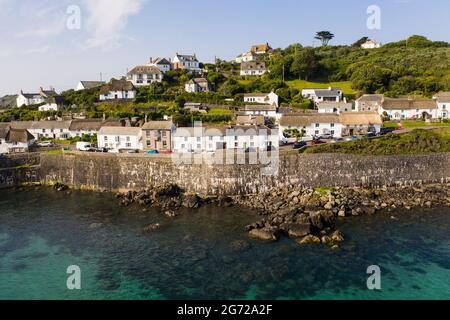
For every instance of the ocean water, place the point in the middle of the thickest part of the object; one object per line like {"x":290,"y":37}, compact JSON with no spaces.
{"x":205,"y":253}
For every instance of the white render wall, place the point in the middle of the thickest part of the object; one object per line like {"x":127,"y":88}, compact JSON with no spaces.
{"x":408,"y":113}
{"x":443,"y":110}
{"x":145,"y":80}
{"x":120,"y":141}
{"x":271,"y":98}
{"x":315,"y":129}
{"x":49,"y":107}
{"x":113,"y":95}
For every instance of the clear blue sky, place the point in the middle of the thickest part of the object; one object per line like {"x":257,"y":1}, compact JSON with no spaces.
{"x":37,"y":48}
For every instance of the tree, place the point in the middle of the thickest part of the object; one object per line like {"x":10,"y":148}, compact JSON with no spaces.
{"x":369,"y":78}
{"x":324,"y":36}
{"x":305,"y":63}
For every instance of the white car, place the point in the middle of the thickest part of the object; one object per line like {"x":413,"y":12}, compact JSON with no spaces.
{"x":45,"y":144}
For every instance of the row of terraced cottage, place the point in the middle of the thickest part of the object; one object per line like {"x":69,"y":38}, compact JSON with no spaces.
{"x":333,"y":116}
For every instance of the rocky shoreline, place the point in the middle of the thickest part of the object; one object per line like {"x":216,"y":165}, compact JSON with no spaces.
{"x":307,"y":215}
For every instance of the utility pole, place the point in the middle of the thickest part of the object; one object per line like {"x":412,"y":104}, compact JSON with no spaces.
{"x":283,"y":72}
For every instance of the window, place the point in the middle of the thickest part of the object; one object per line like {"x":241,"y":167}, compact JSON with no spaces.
{"x":106,"y":138}
{"x":332,"y":125}
{"x":317,"y":132}
{"x":117,"y":139}
{"x":236,"y":144}
{"x":128,"y":145}
{"x":251,"y":137}
{"x":182,"y":146}
{"x":199,"y":139}
{"x":128,"y":139}
{"x":317,"y":125}
{"x":199,"y":146}
{"x":332,"y":132}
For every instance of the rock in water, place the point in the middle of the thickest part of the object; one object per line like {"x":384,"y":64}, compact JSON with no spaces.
{"x":309,"y":239}
{"x":265,"y":234}
{"x":299,"y":230}
{"x":337,"y":236}
{"x":151,"y":228}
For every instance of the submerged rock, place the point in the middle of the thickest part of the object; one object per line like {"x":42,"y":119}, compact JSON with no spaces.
{"x":151,"y":228}
{"x":309,"y":239}
{"x":265,"y":234}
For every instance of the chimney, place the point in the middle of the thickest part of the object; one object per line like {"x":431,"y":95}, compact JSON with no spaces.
{"x":146,"y":118}
{"x":104,"y":116}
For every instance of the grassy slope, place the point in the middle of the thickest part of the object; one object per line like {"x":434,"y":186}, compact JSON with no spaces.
{"x":302,"y":84}
{"x":415,"y":142}
{"x":407,"y":124}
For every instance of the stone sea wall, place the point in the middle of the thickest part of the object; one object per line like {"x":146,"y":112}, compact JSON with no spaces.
{"x":135,"y":172}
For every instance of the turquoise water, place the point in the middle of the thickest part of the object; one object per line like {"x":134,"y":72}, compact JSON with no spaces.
{"x":195,"y":256}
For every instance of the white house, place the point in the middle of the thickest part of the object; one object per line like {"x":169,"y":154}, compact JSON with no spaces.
{"x":161,"y":63}
{"x":267,"y":110}
{"x":59,"y":130}
{"x":443,"y":104}
{"x":14,"y":140}
{"x":321,"y":95}
{"x":54,"y":103}
{"x":311,"y":125}
{"x":253,"y":68}
{"x":371,"y":44}
{"x":120,"y":138}
{"x":144,"y":75}
{"x":246,"y":57}
{"x":262,"y":98}
{"x":90,"y":127}
{"x":212,"y":139}
{"x":118,"y":90}
{"x":186,"y":62}
{"x":399,"y":109}
{"x":369,"y":102}
{"x":28,"y":99}
{"x":86,"y":85}
{"x":335,"y":107}
{"x":197,"y":85}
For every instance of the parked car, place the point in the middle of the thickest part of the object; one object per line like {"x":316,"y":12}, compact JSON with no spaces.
{"x":336,"y":140}
{"x":316,"y":142}
{"x":45,"y":144}
{"x":385,"y":131}
{"x":104,"y":150}
{"x":132,"y":151}
{"x":326,"y":136}
{"x":370,"y":134}
{"x":352,"y":138}
{"x":152,"y":152}
{"x":84,"y":146}
{"x":287,"y":141}
{"x":299,"y":145}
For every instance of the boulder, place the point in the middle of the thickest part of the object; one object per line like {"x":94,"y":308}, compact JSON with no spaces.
{"x":337,"y":236}
{"x":151,"y":228}
{"x":309,"y":239}
{"x":265,"y":234}
{"x":298,"y":230}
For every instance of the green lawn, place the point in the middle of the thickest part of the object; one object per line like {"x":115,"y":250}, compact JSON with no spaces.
{"x":220,"y":111}
{"x":414,"y":124}
{"x":302,"y":84}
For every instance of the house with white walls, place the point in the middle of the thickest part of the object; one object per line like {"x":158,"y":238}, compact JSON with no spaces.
{"x":262,"y":98}
{"x":320,"y":95}
{"x":29,"y":99}
{"x":335,"y":107}
{"x":399,"y":109}
{"x":197,"y":85}
{"x":186,"y":62}
{"x":212,"y":139}
{"x":253,"y":68}
{"x":266,"y":110}
{"x":161,"y":63}
{"x":14,"y":140}
{"x":120,"y":138}
{"x":59,"y":130}
{"x":246,"y":57}
{"x":311,"y":125}
{"x":369,"y":102}
{"x":86,"y":85}
{"x":443,"y":104}
{"x":53,"y":103}
{"x":371,"y":44}
{"x":144,"y":75}
{"x":118,"y":90}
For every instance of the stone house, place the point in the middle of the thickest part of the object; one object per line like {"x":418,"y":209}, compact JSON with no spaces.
{"x":157,"y":135}
{"x":197,"y":85}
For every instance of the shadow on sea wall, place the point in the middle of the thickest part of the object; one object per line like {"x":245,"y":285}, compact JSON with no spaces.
{"x":105,"y":172}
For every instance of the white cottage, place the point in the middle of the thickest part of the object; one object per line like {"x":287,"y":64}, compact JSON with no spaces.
{"x":120,"y":138}
{"x":262,"y":98}
{"x":321,"y":95}
{"x":118,"y":90}
{"x":14,"y":140}
{"x":253,"y":68}
{"x":399,"y":109}
{"x":144,"y":75}
{"x":28,"y":99}
{"x":161,"y":63}
{"x":186,"y":62}
{"x":311,"y":125}
{"x":443,"y":104}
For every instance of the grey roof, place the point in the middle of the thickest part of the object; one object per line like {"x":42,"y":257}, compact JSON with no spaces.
{"x":371,"y":98}
{"x":261,"y":107}
{"x":92,"y":84}
{"x":443,"y":97}
{"x":51,"y":125}
{"x":253,"y":65}
{"x":4,"y":129}
{"x":160,"y":61}
{"x":145,"y":70}
{"x":408,"y":104}
{"x":120,"y":131}
{"x":158,"y":125}
{"x":327,"y":93}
